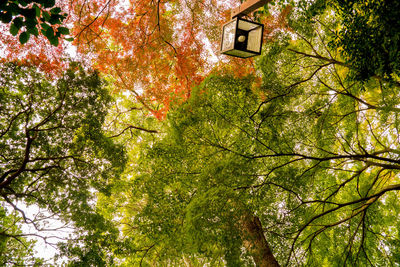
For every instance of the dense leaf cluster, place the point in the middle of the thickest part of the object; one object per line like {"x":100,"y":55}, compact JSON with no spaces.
{"x":368,"y":35}
{"x":54,"y":154}
{"x":311,"y":153}
{"x":296,"y":164}
{"x":28,"y":17}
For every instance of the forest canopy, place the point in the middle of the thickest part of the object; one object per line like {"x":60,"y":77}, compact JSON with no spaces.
{"x":155,"y":150}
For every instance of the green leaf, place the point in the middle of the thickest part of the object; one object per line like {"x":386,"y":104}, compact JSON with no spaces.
{"x":55,"y":19}
{"x":70,"y":39}
{"x":33,"y":31}
{"x":30,"y":23}
{"x":55,"y":10}
{"x":14,"y":30}
{"x":23,"y":3}
{"x":30,"y":13}
{"x":37,"y":10}
{"x":18,"y":22}
{"x":48,"y":3}
{"x":45,"y":26}
{"x":23,"y":37}
{"x":46,"y":16}
{"x":63,"y":30}
{"x":14,"y":9}
{"x":54,"y":41}
{"x":49,"y":33}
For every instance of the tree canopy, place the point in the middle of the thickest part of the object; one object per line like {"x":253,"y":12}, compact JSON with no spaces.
{"x":290,"y":159}
{"x":54,"y":153}
{"x":27,"y":18}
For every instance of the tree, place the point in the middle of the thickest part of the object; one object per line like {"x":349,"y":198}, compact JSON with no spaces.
{"x":298,"y":169}
{"x":112,"y":35}
{"x":158,"y":50}
{"x":309,"y":158}
{"x":15,"y":249}
{"x":33,"y":17}
{"x":55,"y":156}
{"x":368,"y":36}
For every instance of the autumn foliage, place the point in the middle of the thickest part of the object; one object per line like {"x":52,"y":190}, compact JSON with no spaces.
{"x":158,"y":50}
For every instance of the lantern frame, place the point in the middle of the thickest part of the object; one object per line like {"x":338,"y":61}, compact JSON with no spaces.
{"x":238,"y":47}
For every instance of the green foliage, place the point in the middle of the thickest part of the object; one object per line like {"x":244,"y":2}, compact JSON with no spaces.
{"x":370,"y":37}
{"x":213,"y":217}
{"x":54,"y":152}
{"x":367,"y":36}
{"x":312,"y":152}
{"x":27,"y":17}
{"x":15,"y":248}
{"x":308,"y":146}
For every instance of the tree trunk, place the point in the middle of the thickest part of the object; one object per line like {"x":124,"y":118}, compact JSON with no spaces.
{"x":255,"y":242}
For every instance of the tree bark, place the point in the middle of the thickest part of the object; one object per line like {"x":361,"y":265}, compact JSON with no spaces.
{"x":255,"y":242}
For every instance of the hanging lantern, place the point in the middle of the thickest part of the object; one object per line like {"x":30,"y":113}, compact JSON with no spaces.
{"x":242,"y":38}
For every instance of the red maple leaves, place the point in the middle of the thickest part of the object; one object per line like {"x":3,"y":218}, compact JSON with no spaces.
{"x":158,"y":50}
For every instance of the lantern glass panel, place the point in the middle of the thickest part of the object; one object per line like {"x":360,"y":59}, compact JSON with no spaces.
{"x":246,"y":25}
{"x":229,"y":36}
{"x":254,"y":40}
